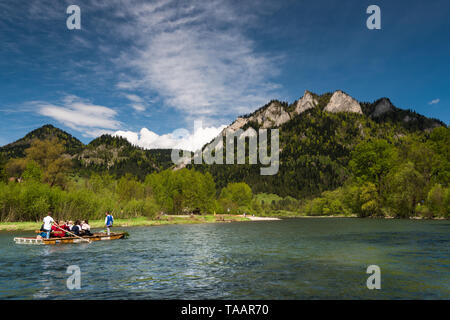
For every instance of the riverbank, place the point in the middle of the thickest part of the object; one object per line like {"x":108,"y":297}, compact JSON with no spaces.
{"x":183,"y":219}
{"x":133,"y":222}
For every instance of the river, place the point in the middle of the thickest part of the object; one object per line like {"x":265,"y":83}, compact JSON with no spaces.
{"x":312,"y":258}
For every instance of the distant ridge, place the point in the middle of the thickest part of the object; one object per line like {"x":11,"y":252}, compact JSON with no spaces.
{"x":317,"y":134}
{"x":17,"y":149}
{"x":276,"y":113}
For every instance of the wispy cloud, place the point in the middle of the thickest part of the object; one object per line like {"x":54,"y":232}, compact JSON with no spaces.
{"x":137,"y":102}
{"x":81,"y":115}
{"x":435,"y":101}
{"x":196,"y":57}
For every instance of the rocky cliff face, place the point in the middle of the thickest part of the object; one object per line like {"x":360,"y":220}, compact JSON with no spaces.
{"x":272,"y":116}
{"x":236,"y":125}
{"x":305,"y":103}
{"x":275,"y":114}
{"x":342,"y":102}
{"x":382,"y":106}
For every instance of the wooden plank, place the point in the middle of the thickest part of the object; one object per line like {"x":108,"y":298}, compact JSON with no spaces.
{"x":53,"y":241}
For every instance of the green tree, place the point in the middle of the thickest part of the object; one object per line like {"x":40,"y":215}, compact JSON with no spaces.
{"x":436,"y":201}
{"x":369,"y":200}
{"x":14,"y":168}
{"x":239,"y":193}
{"x":372,"y":160}
{"x":32,"y":172}
{"x":49,"y":155}
{"x":3,"y":176}
{"x":406,"y":189}
{"x":129,"y":188}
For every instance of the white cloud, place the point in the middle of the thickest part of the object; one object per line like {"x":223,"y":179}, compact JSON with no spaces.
{"x":435,"y":101}
{"x":137,"y":102}
{"x":81,"y":115}
{"x":196,"y":57}
{"x":133,"y":97}
{"x":188,"y":141}
{"x":138,"y":107}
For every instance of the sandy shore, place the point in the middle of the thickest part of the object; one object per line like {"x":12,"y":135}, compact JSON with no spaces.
{"x":261,"y":218}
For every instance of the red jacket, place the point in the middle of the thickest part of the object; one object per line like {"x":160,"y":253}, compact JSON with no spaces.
{"x":57,"y":232}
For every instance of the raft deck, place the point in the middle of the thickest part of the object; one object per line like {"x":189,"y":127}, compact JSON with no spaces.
{"x":95,"y":237}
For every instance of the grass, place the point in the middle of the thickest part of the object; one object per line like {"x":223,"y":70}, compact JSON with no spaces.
{"x":131,"y":222}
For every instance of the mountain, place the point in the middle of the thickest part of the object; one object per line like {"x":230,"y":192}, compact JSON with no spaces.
{"x":276,"y":113}
{"x":17,"y":148}
{"x":317,"y":135}
{"x":104,"y":154}
{"x":118,"y":157}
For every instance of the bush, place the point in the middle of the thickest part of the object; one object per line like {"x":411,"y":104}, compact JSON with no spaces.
{"x":424,"y":211}
{"x":436,"y":201}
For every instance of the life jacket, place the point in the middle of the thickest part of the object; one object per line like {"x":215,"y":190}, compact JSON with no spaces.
{"x":109,"y":220}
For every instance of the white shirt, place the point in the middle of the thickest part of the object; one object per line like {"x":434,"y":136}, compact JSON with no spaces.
{"x":48,"y":222}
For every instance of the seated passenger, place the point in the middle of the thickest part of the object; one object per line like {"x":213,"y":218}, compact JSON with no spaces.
{"x":58,"y":231}
{"x":76,"y":229}
{"x":86,"y":228}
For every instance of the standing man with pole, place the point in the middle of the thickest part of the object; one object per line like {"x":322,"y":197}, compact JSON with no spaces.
{"x":48,"y":222}
{"x":109,"y":220}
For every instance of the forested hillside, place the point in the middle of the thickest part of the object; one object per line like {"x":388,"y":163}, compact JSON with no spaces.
{"x":17,"y":149}
{"x":337,"y":156}
{"x":118,"y":157}
{"x":316,"y":146}
{"x":106,"y":154}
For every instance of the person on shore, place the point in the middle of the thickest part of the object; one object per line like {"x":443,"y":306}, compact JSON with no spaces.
{"x":48,"y":222}
{"x":109,"y":220}
{"x":86,"y":228}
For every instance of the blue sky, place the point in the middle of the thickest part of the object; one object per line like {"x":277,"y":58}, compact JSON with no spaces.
{"x":146,"y":68}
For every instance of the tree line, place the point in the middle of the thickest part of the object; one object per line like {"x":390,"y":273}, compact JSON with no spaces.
{"x":44,"y":181}
{"x":405,"y":178}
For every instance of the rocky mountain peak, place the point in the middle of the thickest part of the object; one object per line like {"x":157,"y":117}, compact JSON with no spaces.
{"x":342,"y":102}
{"x":306,"y":102}
{"x":272,"y":116}
{"x":236,"y":125}
{"x":382,"y":106}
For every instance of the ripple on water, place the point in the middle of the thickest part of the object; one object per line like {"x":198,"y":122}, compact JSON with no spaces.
{"x":288,"y":259}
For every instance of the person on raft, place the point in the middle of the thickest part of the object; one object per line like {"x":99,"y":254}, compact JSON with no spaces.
{"x":76,"y":229}
{"x":59,"y":230}
{"x":47,"y":227}
{"x":109,"y":220}
{"x":86,"y":228}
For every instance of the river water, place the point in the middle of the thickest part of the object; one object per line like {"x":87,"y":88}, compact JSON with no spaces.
{"x":314,"y":258}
